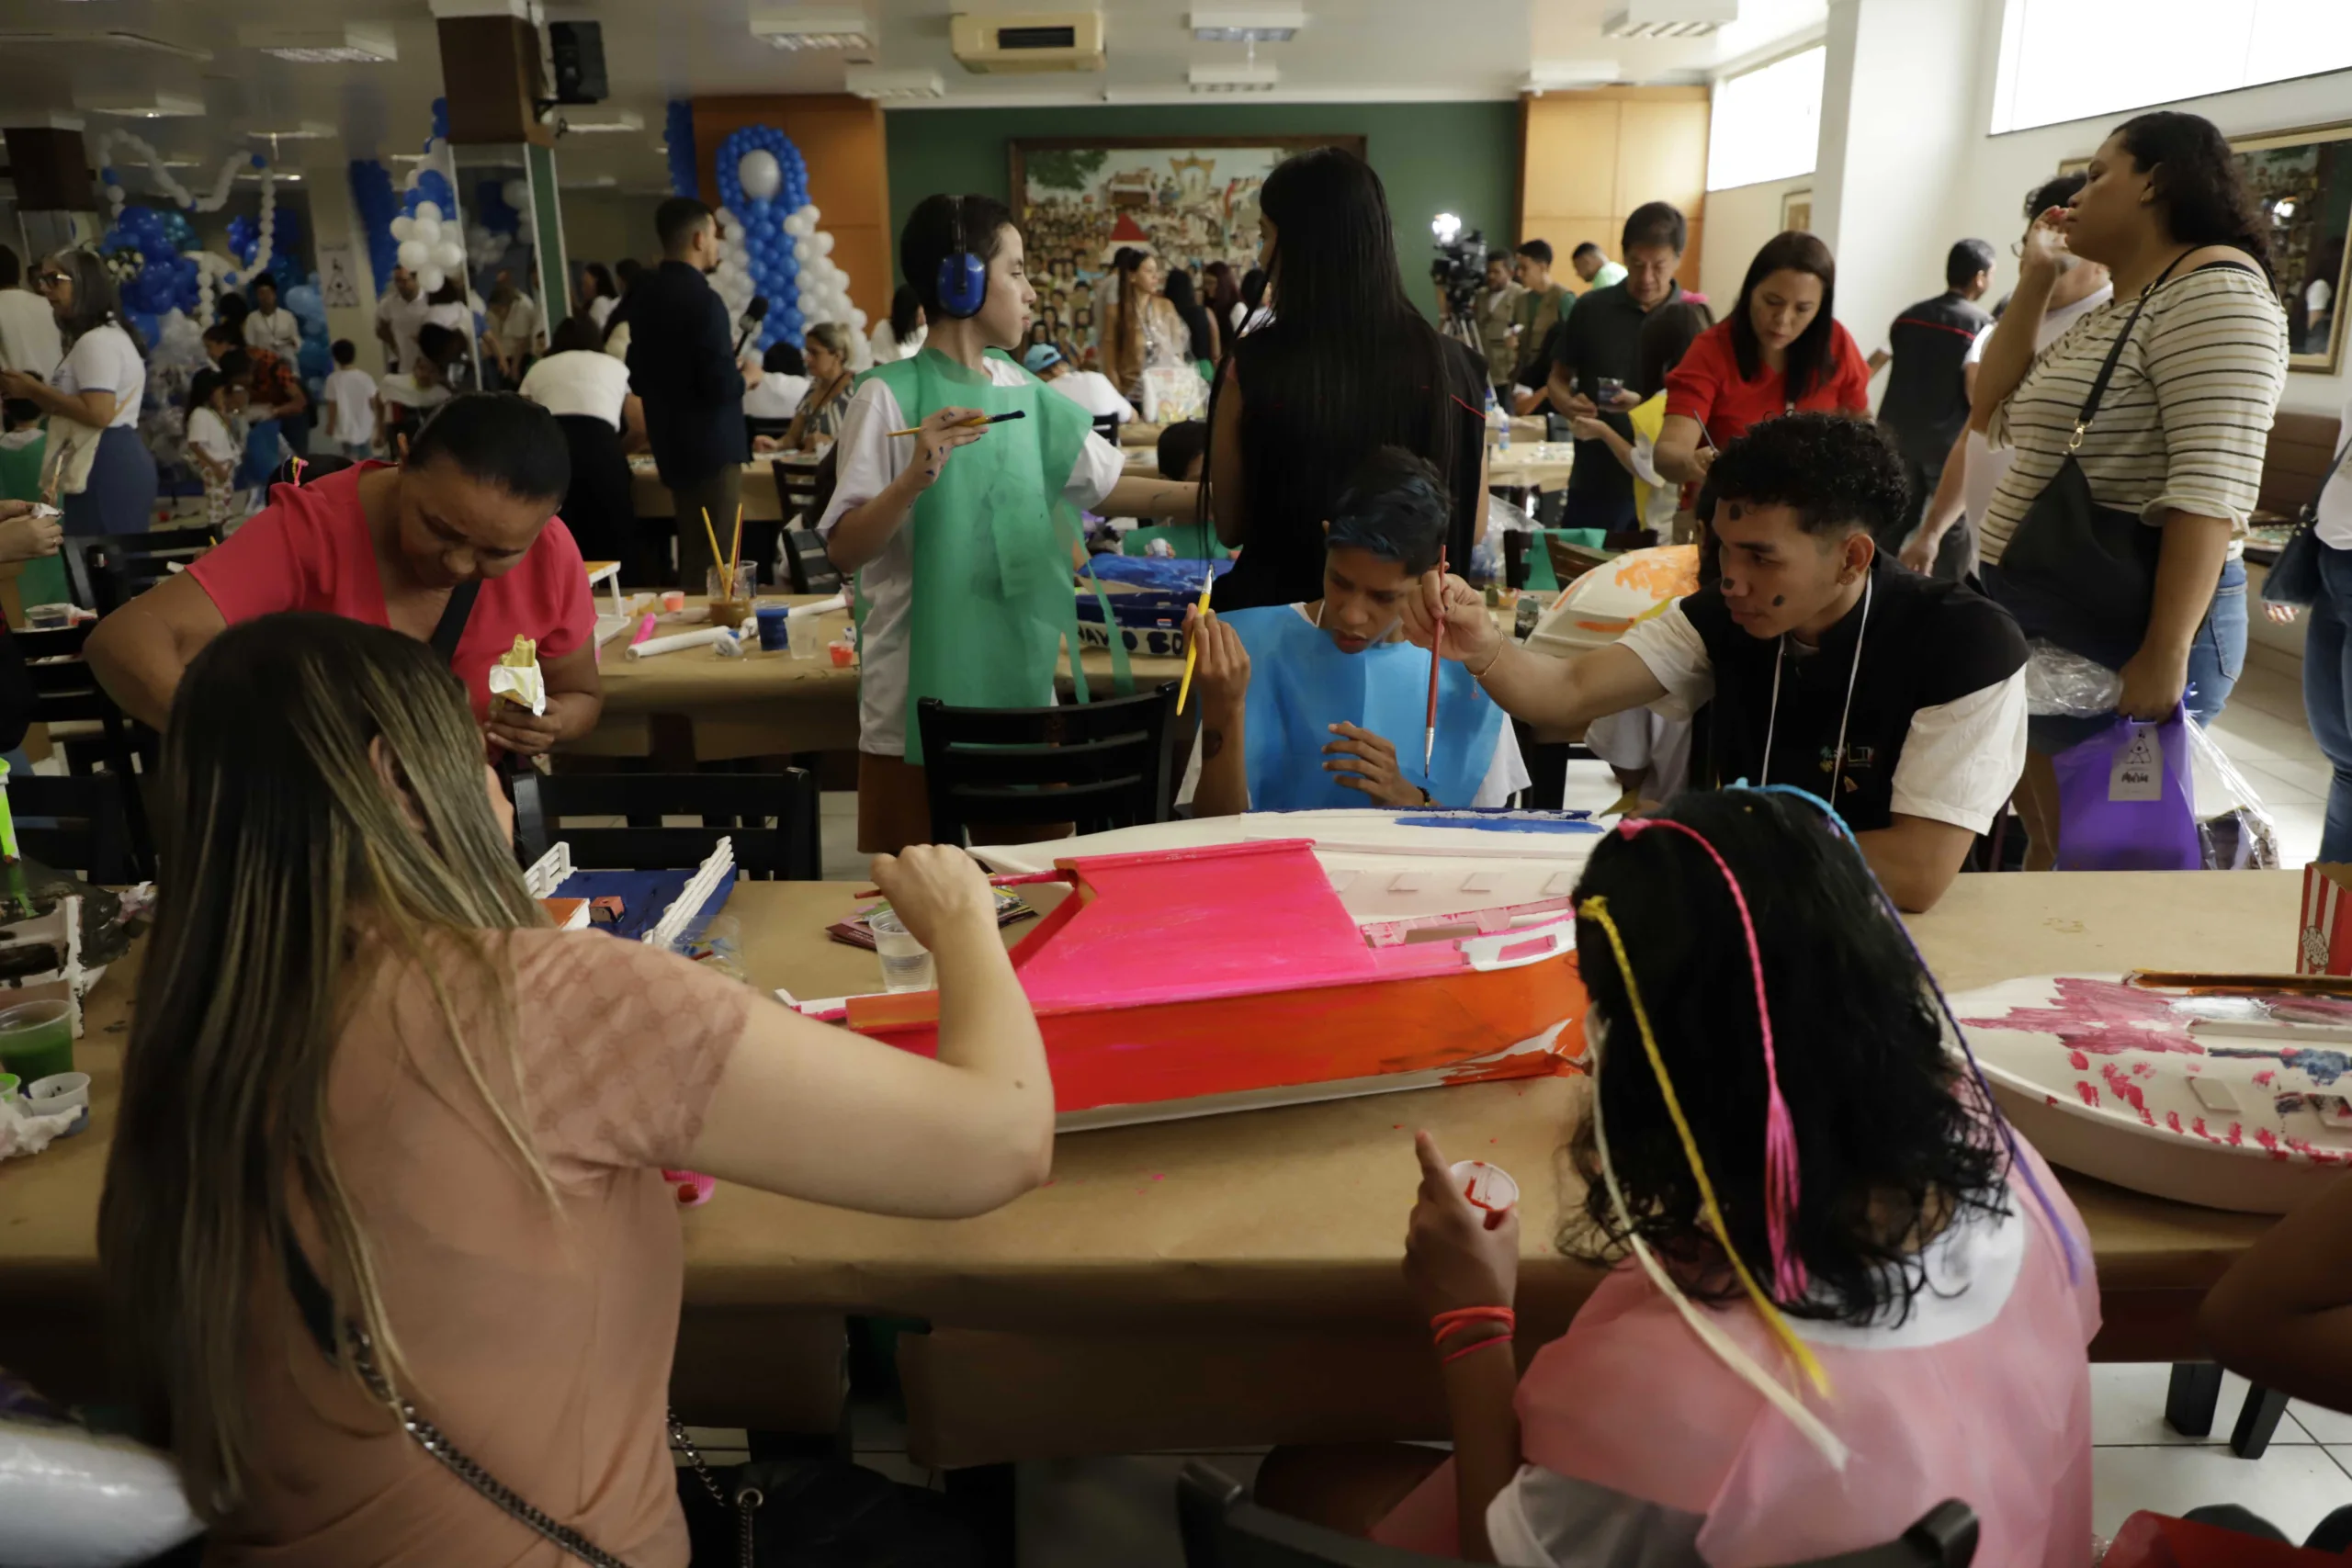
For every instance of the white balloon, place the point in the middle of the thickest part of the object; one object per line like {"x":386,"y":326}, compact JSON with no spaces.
{"x":857,"y":320}
{"x":517,"y":194}
{"x":811,"y":215}
{"x":802,"y":250}
{"x":448,"y":256}
{"x":824,"y":243}
{"x":428,"y":211}
{"x":413,"y":254}
{"x":414,"y":177}
{"x":400,"y":227}
{"x":428,"y":230}
{"x":762,"y":176}
{"x":430,"y":279}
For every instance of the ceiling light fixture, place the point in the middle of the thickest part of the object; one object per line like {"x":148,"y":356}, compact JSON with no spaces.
{"x":158,"y":105}
{"x":1251,"y":78}
{"x":1669,"y":18}
{"x":624,"y":120}
{"x":308,"y":130}
{"x":873,"y":82}
{"x":1247,"y":26}
{"x":799,"y":27}
{"x":349,"y":44}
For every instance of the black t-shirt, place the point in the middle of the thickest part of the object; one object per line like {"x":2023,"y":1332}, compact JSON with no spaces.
{"x":1927,"y":643}
{"x":1602,"y":336}
{"x":1296,"y":459}
{"x":1926,"y":405}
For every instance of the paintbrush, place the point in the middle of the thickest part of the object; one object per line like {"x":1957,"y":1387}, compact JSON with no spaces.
{"x":712,"y":535}
{"x":967,"y":425}
{"x":734,"y":555}
{"x":1193,"y":647}
{"x":1011,"y":879}
{"x":1437,"y":642}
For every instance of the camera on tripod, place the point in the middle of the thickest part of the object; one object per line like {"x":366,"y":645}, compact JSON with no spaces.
{"x":1460,"y":267}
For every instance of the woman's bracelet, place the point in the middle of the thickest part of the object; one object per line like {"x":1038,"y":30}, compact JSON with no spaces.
{"x":1475,"y":1346}
{"x":1448,"y":1323}
{"x":1481,"y":674}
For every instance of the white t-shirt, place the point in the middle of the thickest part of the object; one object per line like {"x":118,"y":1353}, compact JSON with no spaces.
{"x":776,"y":397}
{"x":1091,"y":391}
{"x":867,"y":460}
{"x":278,"y":332}
{"x":350,"y":392}
{"x":1506,"y":770}
{"x":581,"y":381}
{"x":520,"y":327}
{"x":403,"y":316}
{"x":600,"y":309}
{"x":1960,"y":759}
{"x":403,"y":391}
{"x":104,"y":360}
{"x":1985,"y":464}
{"x":209,"y":434}
{"x":2317,"y":297}
{"x":29,"y":340}
{"x":889,"y":347}
{"x":2334,"y":523}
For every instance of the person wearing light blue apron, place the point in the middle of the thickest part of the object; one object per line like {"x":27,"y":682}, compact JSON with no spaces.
{"x":1325,"y":705}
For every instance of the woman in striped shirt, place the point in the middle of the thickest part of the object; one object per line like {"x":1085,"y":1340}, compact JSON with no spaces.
{"x":2178,"y":435}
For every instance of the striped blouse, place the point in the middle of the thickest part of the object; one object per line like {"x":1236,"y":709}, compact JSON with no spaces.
{"x":2181,"y":428}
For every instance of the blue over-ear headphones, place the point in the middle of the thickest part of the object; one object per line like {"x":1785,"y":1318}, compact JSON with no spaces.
{"x":963,"y":276}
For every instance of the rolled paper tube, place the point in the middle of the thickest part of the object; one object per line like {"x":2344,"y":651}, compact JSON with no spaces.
{"x":823,"y":606}
{"x":702,"y":638}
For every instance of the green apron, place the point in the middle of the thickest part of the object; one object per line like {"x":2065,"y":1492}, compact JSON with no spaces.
{"x":992,"y":602}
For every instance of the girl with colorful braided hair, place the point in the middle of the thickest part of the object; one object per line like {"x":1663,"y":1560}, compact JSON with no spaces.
{"x":1840,"y":1291}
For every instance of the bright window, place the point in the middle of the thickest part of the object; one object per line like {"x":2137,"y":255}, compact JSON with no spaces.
{"x":2064,"y":60}
{"x":1767,"y":122}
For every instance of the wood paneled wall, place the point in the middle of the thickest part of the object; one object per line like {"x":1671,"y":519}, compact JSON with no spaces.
{"x":849,"y":178}
{"x":1589,"y":158}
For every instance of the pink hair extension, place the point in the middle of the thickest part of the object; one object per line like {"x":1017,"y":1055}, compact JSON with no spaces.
{"x":1780,"y":1169}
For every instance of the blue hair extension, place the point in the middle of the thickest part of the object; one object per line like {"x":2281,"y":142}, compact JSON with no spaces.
{"x":2067,"y":1242}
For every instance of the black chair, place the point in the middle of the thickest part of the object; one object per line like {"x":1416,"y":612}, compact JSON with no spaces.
{"x":1100,"y":765}
{"x":1222,"y":1529}
{"x":808,"y":567}
{"x":736,"y":805}
{"x":90,"y":730}
{"x":1107,"y":425}
{"x":104,"y":570}
{"x":89,"y":834}
{"x":796,"y":492}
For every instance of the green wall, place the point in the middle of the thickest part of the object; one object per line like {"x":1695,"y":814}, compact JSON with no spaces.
{"x":1456,"y":157}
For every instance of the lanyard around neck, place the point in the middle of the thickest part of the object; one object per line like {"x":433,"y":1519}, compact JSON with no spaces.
{"x":1772,"y":722}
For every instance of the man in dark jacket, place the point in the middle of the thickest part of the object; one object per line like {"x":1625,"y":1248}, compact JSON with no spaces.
{"x":682,"y":363}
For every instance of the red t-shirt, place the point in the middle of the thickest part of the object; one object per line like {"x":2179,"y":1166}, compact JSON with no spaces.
{"x":1707,"y":386}
{"x":310,"y":549}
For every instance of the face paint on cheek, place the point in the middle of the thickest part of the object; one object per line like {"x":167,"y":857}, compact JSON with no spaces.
{"x":1779,"y":600}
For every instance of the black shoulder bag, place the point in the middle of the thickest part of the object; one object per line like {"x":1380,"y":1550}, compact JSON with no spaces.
{"x":451,"y":627}
{"x":2294,"y":577}
{"x":2078,"y":573}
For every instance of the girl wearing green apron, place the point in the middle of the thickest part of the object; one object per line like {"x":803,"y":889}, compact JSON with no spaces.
{"x":964,"y":536}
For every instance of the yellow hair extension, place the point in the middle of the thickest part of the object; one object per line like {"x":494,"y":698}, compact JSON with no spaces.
{"x":1596,"y":909}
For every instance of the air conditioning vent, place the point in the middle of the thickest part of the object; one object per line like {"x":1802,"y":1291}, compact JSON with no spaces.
{"x":1036,"y":40}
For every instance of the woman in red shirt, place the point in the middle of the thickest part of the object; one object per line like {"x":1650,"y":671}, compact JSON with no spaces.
{"x":460,"y":547}
{"x":1778,"y":352}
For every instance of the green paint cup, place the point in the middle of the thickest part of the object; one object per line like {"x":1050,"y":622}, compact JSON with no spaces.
{"x":37,"y":1039}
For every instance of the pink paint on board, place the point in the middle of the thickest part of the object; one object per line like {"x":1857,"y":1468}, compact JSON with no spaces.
{"x":2172,"y":1120}
{"x":2077,"y":1061}
{"x":2090,"y":1094}
{"x":2198,"y":1126}
{"x":2120,"y":1084}
{"x":2237,"y":1135}
{"x":2102,"y":1018}
{"x":2270,"y":1140}
{"x":2263,"y":1076}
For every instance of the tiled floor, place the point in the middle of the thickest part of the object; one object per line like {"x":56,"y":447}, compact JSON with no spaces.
{"x":2264,"y":733}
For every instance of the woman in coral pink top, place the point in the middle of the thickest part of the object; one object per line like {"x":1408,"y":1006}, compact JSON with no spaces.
{"x":1893,"y":1309}
{"x":459,"y":547}
{"x":1780,"y":351}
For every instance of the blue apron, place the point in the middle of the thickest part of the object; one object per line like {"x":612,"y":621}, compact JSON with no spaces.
{"x":1300,"y":684}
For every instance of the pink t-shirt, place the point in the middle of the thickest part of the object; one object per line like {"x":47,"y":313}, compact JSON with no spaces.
{"x":310,"y":549}
{"x":1632,"y":1432}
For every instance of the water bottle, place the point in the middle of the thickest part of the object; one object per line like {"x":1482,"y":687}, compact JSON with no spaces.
{"x":1498,"y":420}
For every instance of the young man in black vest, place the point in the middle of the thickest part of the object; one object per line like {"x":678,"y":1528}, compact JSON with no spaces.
{"x":1812,"y":659}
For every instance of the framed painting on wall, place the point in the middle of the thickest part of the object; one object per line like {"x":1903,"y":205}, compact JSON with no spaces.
{"x":1189,"y":199}
{"x":1797,"y":210}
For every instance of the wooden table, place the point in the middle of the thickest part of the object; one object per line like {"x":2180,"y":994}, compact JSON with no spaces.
{"x":1213,"y":1282}
{"x":694,"y":707}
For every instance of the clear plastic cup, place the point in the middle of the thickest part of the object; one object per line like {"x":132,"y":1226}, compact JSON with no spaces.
{"x":806,"y":634}
{"x":1488,"y":1187}
{"x":905,"y":963}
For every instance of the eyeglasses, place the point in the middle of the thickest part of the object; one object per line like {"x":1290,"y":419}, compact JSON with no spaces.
{"x":51,"y":279}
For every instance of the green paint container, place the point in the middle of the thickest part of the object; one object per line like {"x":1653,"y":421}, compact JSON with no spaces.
{"x":37,"y":1039}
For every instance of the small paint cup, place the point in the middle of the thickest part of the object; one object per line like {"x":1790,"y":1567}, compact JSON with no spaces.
{"x":842,"y":653}
{"x":905,"y":963}
{"x":37,"y":1039}
{"x":9,"y":1084}
{"x":1488,"y":1187}
{"x":774,"y":621}
{"x":674,"y":600}
{"x":808,"y":638}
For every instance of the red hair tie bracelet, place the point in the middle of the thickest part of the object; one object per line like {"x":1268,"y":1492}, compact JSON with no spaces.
{"x":1448,"y":1323}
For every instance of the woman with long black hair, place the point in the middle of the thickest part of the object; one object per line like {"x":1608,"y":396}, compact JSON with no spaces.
{"x":1202,"y":337}
{"x":104,"y":474}
{"x":1140,"y":328}
{"x":1778,"y":352}
{"x":1344,"y":367}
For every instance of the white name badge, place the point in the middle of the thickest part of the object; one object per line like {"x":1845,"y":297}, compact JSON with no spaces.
{"x":2139,"y":769}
